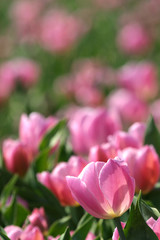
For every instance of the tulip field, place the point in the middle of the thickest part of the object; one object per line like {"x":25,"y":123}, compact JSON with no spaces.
{"x":79,"y":120}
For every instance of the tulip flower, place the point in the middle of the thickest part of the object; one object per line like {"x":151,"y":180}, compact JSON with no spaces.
{"x":133,"y":38}
{"x":141,"y":78}
{"x":126,"y":103}
{"x":143,"y":164}
{"x":38,"y":218}
{"x":31,"y":233}
{"x":104,"y":190}
{"x":102,"y":152}
{"x":32,"y":128}
{"x":89,"y":127}
{"x":137,"y":130}
{"x":56,"y":181}
{"x":16,"y":156}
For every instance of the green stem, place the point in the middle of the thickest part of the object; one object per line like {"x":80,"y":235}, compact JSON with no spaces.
{"x":119,"y":227}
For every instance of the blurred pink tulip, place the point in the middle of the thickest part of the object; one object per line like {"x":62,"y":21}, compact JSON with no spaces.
{"x":58,"y":179}
{"x":144,"y":166}
{"x":31,"y":233}
{"x":130,"y":108}
{"x":133,"y":38}
{"x":61,"y":30}
{"x":123,"y":140}
{"x":102,"y":152}
{"x":13,"y":232}
{"x":38,"y":218}
{"x":16,"y":156}
{"x":154,"y":225}
{"x":104,"y":190}
{"x":141,"y":78}
{"x":89,"y":127}
{"x":32,"y":129}
{"x":25,"y":16}
{"x":137,"y":130}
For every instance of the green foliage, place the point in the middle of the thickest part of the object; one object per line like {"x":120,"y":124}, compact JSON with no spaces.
{"x":152,"y":135}
{"x":136,"y":227}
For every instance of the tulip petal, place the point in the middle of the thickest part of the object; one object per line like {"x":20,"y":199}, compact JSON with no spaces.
{"x":85,"y":198}
{"x":117,"y":186}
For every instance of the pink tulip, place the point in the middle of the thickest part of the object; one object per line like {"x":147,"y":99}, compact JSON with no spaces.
{"x":31,"y":233}
{"x":25,"y":17}
{"x":143,"y":164}
{"x":102,"y":152}
{"x":16,"y":156}
{"x":141,"y":78}
{"x":154,"y":225}
{"x":130,"y":108}
{"x":89,"y":127}
{"x":45,"y":179}
{"x":133,"y":38}
{"x":61,"y":30}
{"x":58,"y":179}
{"x":137,"y":130}
{"x":38,"y":218}
{"x":104,"y":190}
{"x":13,"y":232}
{"x":123,"y":140}
{"x":32,"y":129}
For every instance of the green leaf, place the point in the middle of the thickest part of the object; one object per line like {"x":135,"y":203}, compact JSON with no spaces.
{"x":66,"y":235}
{"x":8,"y":190}
{"x":136,"y":227}
{"x":3,"y":234}
{"x":154,"y":197}
{"x":82,"y":230}
{"x":152,"y":135}
{"x":59,"y":226}
{"x":52,"y":133}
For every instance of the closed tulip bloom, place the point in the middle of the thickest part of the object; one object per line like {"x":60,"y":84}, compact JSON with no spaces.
{"x":104,"y":190}
{"x":45,"y":179}
{"x":143,"y":164}
{"x":16,"y":156}
{"x":89,"y":127}
{"x":102,"y":152}
{"x":32,"y":129}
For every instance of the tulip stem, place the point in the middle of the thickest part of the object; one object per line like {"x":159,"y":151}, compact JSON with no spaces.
{"x":119,"y":227}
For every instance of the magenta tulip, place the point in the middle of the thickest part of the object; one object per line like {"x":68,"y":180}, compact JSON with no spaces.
{"x":38,"y":218}
{"x":105,"y":190}
{"x":154,"y":225}
{"x":13,"y":232}
{"x":32,"y":129}
{"x":16,"y":156}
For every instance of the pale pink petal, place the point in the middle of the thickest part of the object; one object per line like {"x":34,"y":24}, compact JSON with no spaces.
{"x":117,"y":186}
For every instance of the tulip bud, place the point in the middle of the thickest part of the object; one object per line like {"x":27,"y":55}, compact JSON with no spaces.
{"x":137,"y":130}
{"x":13,"y":232}
{"x":16,"y":156}
{"x":31,"y":233}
